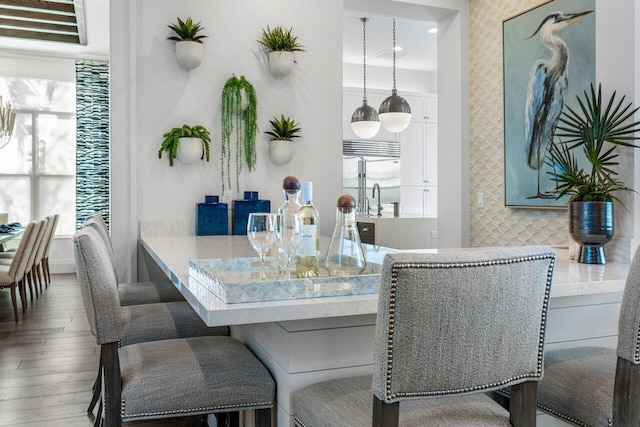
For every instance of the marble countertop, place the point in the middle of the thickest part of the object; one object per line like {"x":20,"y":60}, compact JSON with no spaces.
{"x":172,"y":254}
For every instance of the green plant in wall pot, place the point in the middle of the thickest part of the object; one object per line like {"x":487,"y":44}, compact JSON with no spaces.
{"x":282,"y":132}
{"x":239,"y":118}
{"x":188,"y":43}
{"x":187,"y":143}
{"x":596,"y":129}
{"x":281,"y":44}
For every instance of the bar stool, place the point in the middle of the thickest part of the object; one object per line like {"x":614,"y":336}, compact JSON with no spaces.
{"x":450,"y":327}
{"x":170,"y":378}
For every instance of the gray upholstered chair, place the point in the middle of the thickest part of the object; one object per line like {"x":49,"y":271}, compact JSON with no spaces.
{"x":140,"y":292}
{"x":12,"y":275}
{"x":170,"y":378}
{"x":449,"y":328}
{"x":586,"y":385}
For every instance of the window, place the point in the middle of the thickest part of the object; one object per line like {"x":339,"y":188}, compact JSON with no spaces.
{"x":37,"y":168}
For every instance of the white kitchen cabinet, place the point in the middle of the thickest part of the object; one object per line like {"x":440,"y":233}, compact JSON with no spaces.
{"x":412,"y":154}
{"x":431,"y":109}
{"x":419,"y":200}
{"x":430,"y":159}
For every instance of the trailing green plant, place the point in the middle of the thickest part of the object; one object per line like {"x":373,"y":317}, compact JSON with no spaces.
{"x":172,"y":140}
{"x":241,"y":122}
{"x":597,"y":130}
{"x":186,"y":31}
{"x":279,"y":39}
{"x":283,"y":128}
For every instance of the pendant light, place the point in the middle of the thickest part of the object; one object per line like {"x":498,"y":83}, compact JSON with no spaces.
{"x":364,"y":121}
{"x":395,"y":112}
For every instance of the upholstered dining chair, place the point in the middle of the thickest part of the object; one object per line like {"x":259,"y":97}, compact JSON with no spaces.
{"x":450,"y":327}
{"x":12,"y":276}
{"x":45,"y":260}
{"x":597,"y":386}
{"x":139,"y":292}
{"x":170,"y":378}
{"x":38,"y":264}
{"x":29,"y":272}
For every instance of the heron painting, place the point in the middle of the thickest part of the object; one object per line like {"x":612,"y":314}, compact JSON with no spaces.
{"x":549,"y":56}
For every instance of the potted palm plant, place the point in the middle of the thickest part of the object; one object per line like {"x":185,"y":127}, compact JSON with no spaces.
{"x":188,"y":43}
{"x":281,"y":44}
{"x":596,"y":129}
{"x":282,"y":132}
{"x":187,"y":143}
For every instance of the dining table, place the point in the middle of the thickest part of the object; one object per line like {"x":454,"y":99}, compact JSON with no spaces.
{"x":306,"y":339}
{"x":5,"y":237}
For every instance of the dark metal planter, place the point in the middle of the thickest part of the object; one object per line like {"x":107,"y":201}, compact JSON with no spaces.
{"x":591,"y":225}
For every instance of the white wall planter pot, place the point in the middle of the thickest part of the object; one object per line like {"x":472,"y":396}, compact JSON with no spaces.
{"x":281,"y":63}
{"x":190,"y":150}
{"x":189,"y":54}
{"x":280,"y":151}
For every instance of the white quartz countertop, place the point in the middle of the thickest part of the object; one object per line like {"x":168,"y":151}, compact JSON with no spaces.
{"x":172,"y":254}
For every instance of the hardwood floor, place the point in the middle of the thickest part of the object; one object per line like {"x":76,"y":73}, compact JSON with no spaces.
{"x":48,"y":359}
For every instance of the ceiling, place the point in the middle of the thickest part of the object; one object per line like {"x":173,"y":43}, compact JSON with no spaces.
{"x":419,"y":46}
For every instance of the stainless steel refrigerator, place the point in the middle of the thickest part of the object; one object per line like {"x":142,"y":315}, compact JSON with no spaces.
{"x":365,"y":163}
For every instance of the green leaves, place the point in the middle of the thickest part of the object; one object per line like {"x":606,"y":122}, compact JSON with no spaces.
{"x":283,"y":128}
{"x":186,"y":31}
{"x":597,"y":130}
{"x":280,"y":39}
{"x":172,"y":139}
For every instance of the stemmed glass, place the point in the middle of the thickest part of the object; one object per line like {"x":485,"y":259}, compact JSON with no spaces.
{"x":260,"y":228}
{"x":288,"y":233}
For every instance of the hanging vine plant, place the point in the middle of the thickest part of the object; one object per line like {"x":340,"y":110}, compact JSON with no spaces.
{"x":239,"y":114}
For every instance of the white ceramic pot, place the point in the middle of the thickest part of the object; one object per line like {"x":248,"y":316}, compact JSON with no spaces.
{"x":280,"y":151}
{"x":190,"y":150}
{"x":189,"y":54}
{"x":281,"y":63}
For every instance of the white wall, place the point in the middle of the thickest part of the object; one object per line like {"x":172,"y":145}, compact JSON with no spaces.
{"x":382,"y":78}
{"x":164,"y":96}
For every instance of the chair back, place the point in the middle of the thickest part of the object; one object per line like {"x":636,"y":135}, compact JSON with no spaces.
{"x":98,"y":226}
{"x":459,"y":323}
{"x":100,"y":220}
{"x":21,"y":257}
{"x":56,"y":217}
{"x":36,"y":244}
{"x":629,"y":320}
{"x":4,"y":218}
{"x":98,"y":286}
{"x":46,"y":236}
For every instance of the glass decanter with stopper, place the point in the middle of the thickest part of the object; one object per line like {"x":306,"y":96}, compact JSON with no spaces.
{"x":308,"y":254}
{"x":291,"y":191}
{"x":344,"y":255}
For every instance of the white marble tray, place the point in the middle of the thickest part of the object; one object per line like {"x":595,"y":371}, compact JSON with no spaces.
{"x":236,"y":280}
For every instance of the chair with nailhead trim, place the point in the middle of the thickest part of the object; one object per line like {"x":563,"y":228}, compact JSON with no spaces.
{"x":169,"y":378}
{"x":450,"y":327}
{"x":586,"y":385}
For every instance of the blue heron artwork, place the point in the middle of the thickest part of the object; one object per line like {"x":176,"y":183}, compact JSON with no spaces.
{"x":549,"y":57}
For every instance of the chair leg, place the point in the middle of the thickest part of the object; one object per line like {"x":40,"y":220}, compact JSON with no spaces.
{"x":264,"y":417}
{"x":97,"y":389}
{"x":112,"y":384}
{"x":40,"y":277}
{"x":23,"y":294}
{"x":29,"y":280}
{"x":385,"y":414}
{"x":522,"y":405}
{"x":626,"y":394}
{"x":45,"y":262}
{"x":14,"y":300}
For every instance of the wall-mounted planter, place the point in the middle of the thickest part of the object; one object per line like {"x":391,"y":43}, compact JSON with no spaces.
{"x":280,"y":151}
{"x":189,"y":54}
{"x":190,"y":150}
{"x":281,"y":63}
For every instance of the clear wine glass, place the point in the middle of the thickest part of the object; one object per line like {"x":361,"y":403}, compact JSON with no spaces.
{"x":288,"y":234}
{"x":260,"y":228}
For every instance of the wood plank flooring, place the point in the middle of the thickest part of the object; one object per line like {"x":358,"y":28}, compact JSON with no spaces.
{"x":48,"y":359}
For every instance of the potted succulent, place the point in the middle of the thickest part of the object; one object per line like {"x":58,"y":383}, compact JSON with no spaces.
{"x":282,"y":132}
{"x":281,"y":44}
{"x":596,"y":130}
{"x":188,"y":143}
{"x":188,"y":43}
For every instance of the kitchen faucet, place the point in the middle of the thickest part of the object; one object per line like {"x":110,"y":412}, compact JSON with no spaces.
{"x":376,"y":185}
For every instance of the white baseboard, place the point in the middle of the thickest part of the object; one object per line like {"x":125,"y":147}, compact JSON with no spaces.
{"x":62,"y":266}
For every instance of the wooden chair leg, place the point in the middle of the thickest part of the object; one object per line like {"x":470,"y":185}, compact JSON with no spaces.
{"x":29,"y":280}
{"x":23,"y":294}
{"x":14,"y":300}
{"x":40,"y":277}
{"x":112,"y":383}
{"x":264,"y":417}
{"x":46,"y":283}
{"x":385,"y":414}
{"x":626,"y":394}
{"x":522,"y":404}
{"x":97,"y":391}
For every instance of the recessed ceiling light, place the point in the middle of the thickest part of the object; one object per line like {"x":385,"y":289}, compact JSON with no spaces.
{"x":398,"y":48}
{"x":433,"y":30}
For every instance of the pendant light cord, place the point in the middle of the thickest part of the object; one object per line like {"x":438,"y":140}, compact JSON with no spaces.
{"x":394,"y":55}
{"x":364,"y":56}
